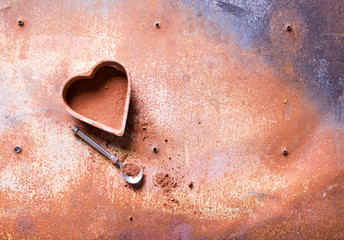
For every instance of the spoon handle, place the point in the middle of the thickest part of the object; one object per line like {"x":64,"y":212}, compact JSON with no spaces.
{"x":90,"y":141}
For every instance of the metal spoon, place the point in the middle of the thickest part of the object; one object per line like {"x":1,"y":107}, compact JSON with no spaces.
{"x":113,"y":158}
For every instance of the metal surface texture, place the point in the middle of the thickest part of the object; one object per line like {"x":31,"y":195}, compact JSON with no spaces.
{"x":220,"y":90}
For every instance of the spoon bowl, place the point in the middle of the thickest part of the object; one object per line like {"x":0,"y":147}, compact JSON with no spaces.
{"x":131,"y":179}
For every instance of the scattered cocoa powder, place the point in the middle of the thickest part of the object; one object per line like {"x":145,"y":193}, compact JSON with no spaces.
{"x":130,"y":169}
{"x":102,"y":98}
{"x":122,"y":157}
{"x":190,"y":184}
{"x":167,"y":183}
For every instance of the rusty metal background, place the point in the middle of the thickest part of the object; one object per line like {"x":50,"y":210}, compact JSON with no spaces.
{"x":221,"y":89}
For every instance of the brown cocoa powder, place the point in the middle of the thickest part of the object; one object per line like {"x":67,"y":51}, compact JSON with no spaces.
{"x":122,"y":157}
{"x":190,"y":184}
{"x":167,"y":183}
{"x":101,"y":98}
{"x":130,"y":169}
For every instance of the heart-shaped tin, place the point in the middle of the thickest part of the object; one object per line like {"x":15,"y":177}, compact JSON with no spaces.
{"x":99,"y":97}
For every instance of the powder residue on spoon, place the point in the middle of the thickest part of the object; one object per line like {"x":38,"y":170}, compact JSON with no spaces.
{"x":130,"y":169}
{"x":102,"y":98}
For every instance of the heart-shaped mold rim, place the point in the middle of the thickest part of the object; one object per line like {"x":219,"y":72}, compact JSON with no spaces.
{"x":90,"y":75}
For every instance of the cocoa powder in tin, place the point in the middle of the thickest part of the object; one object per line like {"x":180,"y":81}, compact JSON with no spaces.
{"x":101,"y":98}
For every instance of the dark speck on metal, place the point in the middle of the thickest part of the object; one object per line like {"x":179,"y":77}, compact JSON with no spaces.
{"x":20,"y":22}
{"x":155,"y":150}
{"x":17,"y":149}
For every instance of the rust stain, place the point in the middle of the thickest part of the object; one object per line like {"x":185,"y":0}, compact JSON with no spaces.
{"x":219,"y":114}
